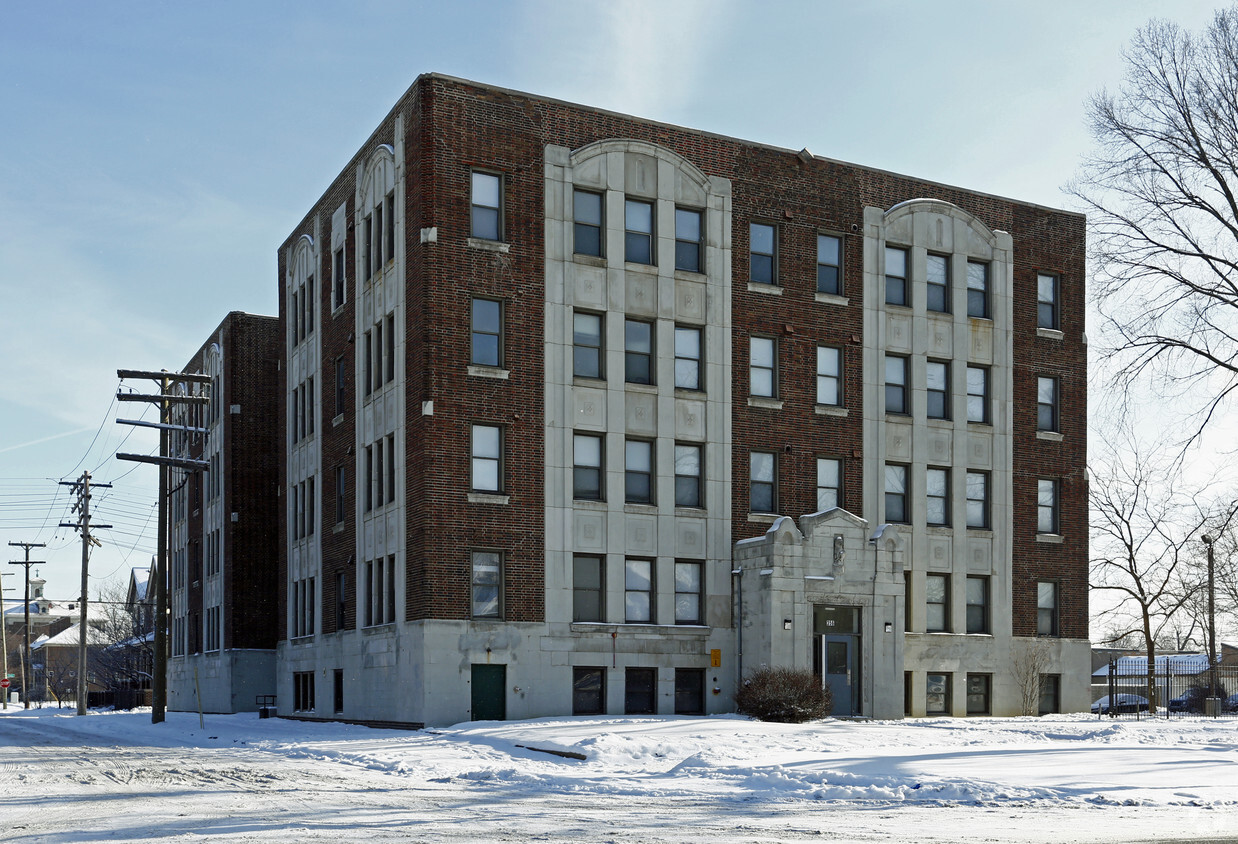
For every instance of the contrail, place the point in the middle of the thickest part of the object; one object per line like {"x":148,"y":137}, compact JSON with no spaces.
{"x":44,"y":439}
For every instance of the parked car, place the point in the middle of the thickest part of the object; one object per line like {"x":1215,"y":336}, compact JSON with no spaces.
{"x":1231,"y":703}
{"x":1192,"y":700}
{"x":1121,"y":703}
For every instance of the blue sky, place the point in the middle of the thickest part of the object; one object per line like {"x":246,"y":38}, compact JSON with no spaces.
{"x":153,"y":155}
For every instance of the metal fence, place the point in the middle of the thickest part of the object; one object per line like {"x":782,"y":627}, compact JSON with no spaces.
{"x":1126,"y":694}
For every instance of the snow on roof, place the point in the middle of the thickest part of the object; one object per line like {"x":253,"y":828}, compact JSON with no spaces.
{"x":1134,"y":666}
{"x":141,"y":576}
{"x":70,"y":636}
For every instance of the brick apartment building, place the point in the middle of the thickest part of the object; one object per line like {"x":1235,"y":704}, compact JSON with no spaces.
{"x":223,"y":542}
{"x":584,"y":413}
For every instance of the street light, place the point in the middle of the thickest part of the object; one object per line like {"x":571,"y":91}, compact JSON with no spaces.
{"x":1212,"y":630}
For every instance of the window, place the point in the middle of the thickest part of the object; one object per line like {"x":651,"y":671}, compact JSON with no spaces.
{"x":978,"y":500}
{"x":896,"y":385}
{"x":1046,"y":608}
{"x":937,"y":277}
{"x":763,"y":366}
{"x":936,"y":603}
{"x":380,"y":591}
{"x":389,"y":227}
{"x":937,"y":694}
{"x":977,"y":605}
{"x":640,"y":686}
{"x":978,"y":694}
{"x":638,"y":472}
{"x":377,"y":475}
{"x":687,"y":358}
{"x":1050,"y":694}
{"x":978,"y":394}
{"x":337,"y":677}
{"x":896,"y":493}
{"x":937,"y":496}
{"x":212,"y":629}
{"x":687,"y":240}
{"x":638,"y":591}
{"x":367,"y":374}
{"x":977,"y":289}
{"x":341,"y":604}
{"x":391,"y":468}
{"x":1046,"y":404}
{"x":586,"y":345}
{"x":1046,"y":301}
{"x":487,"y":216}
{"x":588,"y":691}
{"x":487,"y":471}
{"x":587,"y":467}
{"x":340,"y":375}
{"x":829,"y":264}
{"x":303,"y":691}
{"x":896,"y":276}
{"x":587,"y":223}
{"x":829,"y":376}
{"x":300,"y":608}
{"x":1047,"y":506}
{"x":762,"y":491}
{"x":311,"y":505}
{"x":637,"y":352}
{"x":688,"y":593}
{"x":376,"y":239}
{"x":368,"y":258}
{"x":389,"y":374}
{"x":689,"y":691}
{"x":487,"y":580}
{"x":340,"y":510}
{"x":937,"y":386}
{"x":688,"y":475}
{"x":587,"y":583}
{"x":638,"y":231}
{"x":339,"y":287}
{"x":487,"y":345}
{"x":762,"y":253}
{"x":829,"y":483}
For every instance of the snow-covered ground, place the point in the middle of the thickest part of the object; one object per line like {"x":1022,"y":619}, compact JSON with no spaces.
{"x":117,"y":777}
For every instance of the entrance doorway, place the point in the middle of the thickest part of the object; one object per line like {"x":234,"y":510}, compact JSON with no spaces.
{"x":837,"y":631}
{"x":489,"y":692}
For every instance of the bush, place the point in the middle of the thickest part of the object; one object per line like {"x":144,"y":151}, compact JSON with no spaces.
{"x":785,"y":695}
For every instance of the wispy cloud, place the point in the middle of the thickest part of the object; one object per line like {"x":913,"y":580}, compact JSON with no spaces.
{"x":42,"y":440}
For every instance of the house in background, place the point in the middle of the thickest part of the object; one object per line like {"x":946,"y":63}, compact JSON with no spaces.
{"x":551,"y":378}
{"x":224,"y":523}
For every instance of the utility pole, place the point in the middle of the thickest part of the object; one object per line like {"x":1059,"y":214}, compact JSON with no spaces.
{"x":25,"y":671}
{"x":82,"y":487}
{"x":166,"y":398}
{"x":4,"y":646}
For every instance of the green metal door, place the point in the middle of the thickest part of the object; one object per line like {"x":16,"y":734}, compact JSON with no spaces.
{"x":489,"y":692}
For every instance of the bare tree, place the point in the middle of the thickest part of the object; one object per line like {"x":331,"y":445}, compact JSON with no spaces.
{"x":123,"y":659}
{"x":1161,"y":193}
{"x":1145,"y":526}
{"x":1029,"y":661}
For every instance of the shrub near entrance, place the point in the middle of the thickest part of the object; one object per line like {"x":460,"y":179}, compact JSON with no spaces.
{"x":785,"y":695}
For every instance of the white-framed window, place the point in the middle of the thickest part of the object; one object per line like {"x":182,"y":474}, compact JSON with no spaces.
{"x":486,"y":212}
{"x":486,"y":341}
{"x":638,"y":591}
{"x":637,"y":351}
{"x":1046,"y":608}
{"x":896,"y":276}
{"x":830,"y":264}
{"x":1046,"y":403}
{"x":763,"y":366}
{"x":587,"y":223}
{"x":588,"y":588}
{"x":688,"y":592}
{"x":762,"y":482}
{"x":936,"y":603}
{"x":978,"y":500}
{"x":762,"y":253}
{"x":978,"y":394}
{"x":638,"y":231}
{"x":937,"y":278}
{"x":896,"y":385}
{"x":487,"y":458}
{"x":487,"y":586}
{"x":977,"y":289}
{"x":1047,"y":292}
{"x":937,"y":496}
{"x":587,"y":467}
{"x":638,"y":472}
{"x":688,"y":475}
{"x":896,"y":493}
{"x":937,"y":389}
{"x":829,"y":376}
{"x":587,"y":355}
{"x":977,"y":604}
{"x":688,"y":240}
{"x":829,"y":483}
{"x":1047,"y":509}
{"x":688,"y":357}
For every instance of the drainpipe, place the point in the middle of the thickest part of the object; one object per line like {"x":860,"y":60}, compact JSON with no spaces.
{"x":737,"y":578}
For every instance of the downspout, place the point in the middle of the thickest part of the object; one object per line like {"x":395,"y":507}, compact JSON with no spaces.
{"x":739,"y":625}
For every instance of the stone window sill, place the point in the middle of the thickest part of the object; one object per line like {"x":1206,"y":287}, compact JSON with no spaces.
{"x":767,"y":403}
{"x":1050,"y":333}
{"x":488,"y":245}
{"x":1050,"y":538}
{"x":488,"y":498}
{"x":1049,"y":436}
{"x":489,"y":372}
{"x":831,"y":299}
{"x":830,"y":410}
{"x":762,"y":287}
